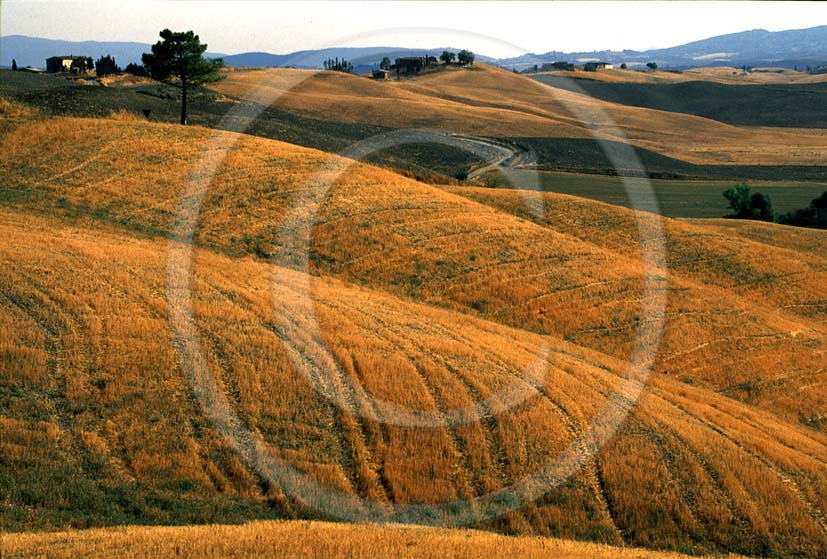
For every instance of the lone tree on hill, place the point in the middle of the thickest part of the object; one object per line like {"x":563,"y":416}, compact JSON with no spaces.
{"x":465,"y":57}
{"x":14,"y":64}
{"x":178,"y":61}
{"x":652,"y":65}
{"x":385,"y":64}
{"x":447,"y":56}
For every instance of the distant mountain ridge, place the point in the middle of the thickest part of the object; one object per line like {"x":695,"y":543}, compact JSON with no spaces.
{"x":758,"y":47}
{"x":797,"y":47}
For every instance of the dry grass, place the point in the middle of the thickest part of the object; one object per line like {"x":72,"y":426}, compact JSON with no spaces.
{"x":117,"y":377}
{"x":308,"y":539}
{"x":11,"y":109}
{"x":772,"y":278}
{"x":734,"y":320}
{"x":715,"y":74}
{"x":125,"y":115}
{"x":426,"y":299}
{"x":489,"y":101}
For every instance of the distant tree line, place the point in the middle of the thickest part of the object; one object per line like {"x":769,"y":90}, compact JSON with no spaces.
{"x":105,"y":66}
{"x":339,"y":65}
{"x":814,"y":215}
{"x":447,"y":56}
{"x":463,"y":57}
{"x":746,"y":204}
{"x":135,"y":69}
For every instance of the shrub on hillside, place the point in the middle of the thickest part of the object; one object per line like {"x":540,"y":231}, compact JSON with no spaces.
{"x":814,"y":215}
{"x":105,"y":66}
{"x":135,"y":69}
{"x":747,"y":204}
{"x":465,"y":57}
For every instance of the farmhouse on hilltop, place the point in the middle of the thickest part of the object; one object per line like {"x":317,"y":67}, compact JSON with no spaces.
{"x":379,"y":74}
{"x":595,"y":66}
{"x":71,"y":63}
{"x":557,"y":66}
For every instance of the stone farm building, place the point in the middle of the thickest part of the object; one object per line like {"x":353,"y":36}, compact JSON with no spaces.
{"x":547,"y":67}
{"x":595,"y":66}
{"x":71,"y":63}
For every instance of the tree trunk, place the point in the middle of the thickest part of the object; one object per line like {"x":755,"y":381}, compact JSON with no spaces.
{"x":183,"y":102}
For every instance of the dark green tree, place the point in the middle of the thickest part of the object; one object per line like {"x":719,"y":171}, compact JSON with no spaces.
{"x":814,"y":215}
{"x":105,"y":65}
{"x":747,"y":204}
{"x":135,"y":69}
{"x":385,"y":64}
{"x":652,"y":65}
{"x":760,"y":207}
{"x":337,"y":65}
{"x":178,"y":60}
{"x":447,"y":56}
{"x":465,"y":57}
{"x":739,"y":197}
{"x":623,"y":66}
{"x":14,"y":64}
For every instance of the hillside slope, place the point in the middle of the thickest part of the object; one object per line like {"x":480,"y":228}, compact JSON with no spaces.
{"x":732,"y":320}
{"x":446,"y":302}
{"x":100,"y":424}
{"x":487,"y":101}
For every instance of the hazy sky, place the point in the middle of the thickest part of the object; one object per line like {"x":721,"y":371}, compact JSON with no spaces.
{"x":493,"y":28}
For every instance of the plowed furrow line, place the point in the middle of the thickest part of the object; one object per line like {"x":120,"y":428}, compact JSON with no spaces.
{"x":817,"y":514}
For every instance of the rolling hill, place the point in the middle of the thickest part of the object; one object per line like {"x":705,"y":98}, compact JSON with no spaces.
{"x":786,"y":105}
{"x":487,"y":101}
{"x":426,"y":304}
{"x":556,"y":129}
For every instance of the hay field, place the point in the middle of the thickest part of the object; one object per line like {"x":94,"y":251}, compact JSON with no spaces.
{"x":434,"y":300}
{"x":275,"y":540}
{"x":715,"y":74}
{"x":580,"y":279}
{"x":487,"y":101}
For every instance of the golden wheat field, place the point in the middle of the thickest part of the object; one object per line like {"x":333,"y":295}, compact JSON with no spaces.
{"x":394,"y":343}
{"x":717,"y":74}
{"x":489,"y":101}
{"x":311,"y":539}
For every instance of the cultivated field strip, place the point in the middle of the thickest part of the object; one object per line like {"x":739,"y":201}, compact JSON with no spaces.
{"x":770,"y":309}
